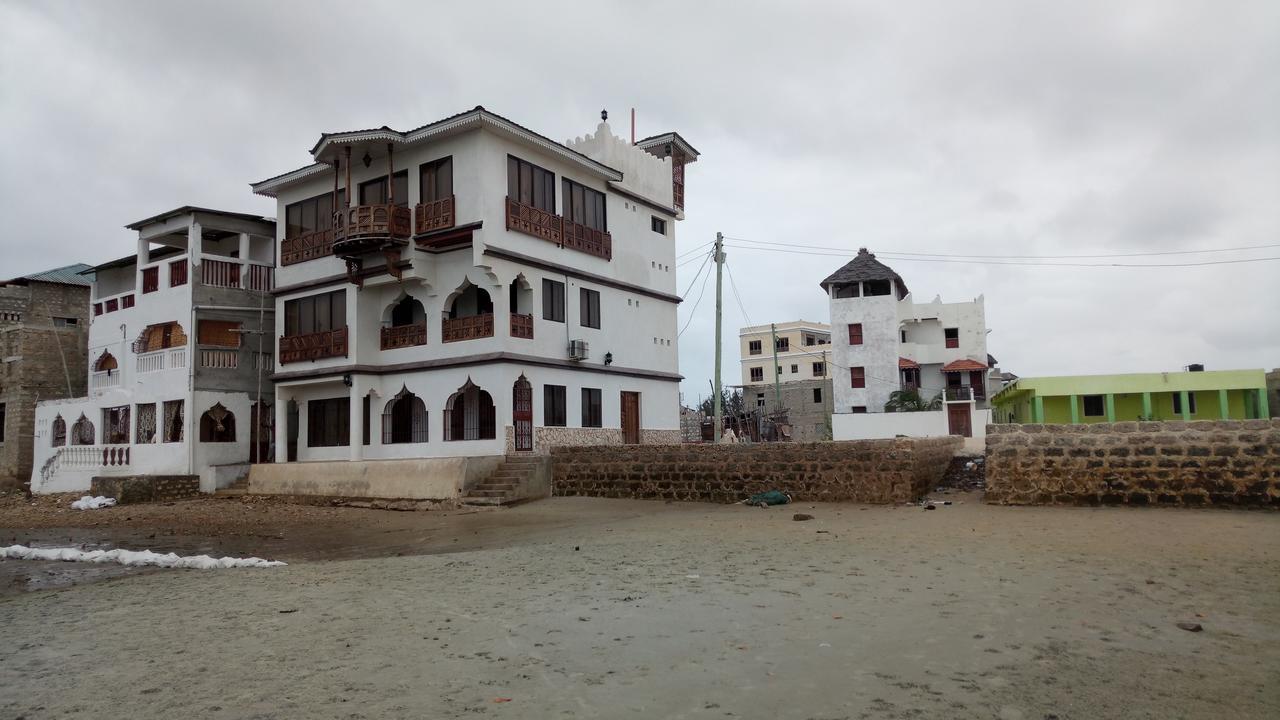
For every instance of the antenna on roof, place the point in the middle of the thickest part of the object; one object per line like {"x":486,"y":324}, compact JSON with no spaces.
{"x":633,"y":126}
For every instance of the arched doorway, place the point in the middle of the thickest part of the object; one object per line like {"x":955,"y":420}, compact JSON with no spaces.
{"x":404,"y":420}
{"x":522,"y":413}
{"x":469,"y":414}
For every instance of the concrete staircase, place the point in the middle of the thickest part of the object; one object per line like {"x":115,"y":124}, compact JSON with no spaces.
{"x":236,"y":489}
{"x":505,"y":485}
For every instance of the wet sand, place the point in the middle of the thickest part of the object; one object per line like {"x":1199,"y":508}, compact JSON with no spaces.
{"x":579,"y":607}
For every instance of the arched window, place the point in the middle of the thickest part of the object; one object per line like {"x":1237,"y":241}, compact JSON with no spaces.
{"x":217,"y":425}
{"x":82,"y":432}
{"x":404,"y":324}
{"x":106,"y":362}
{"x":404,"y":420}
{"x":470,"y":301}
{"x":59,"y":431}
{"x":469,"y":315}
{"x":469,"y":414}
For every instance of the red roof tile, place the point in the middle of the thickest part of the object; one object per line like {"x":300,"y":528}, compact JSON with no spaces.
{"x":904,"y":363}
{"x":963,"y":365}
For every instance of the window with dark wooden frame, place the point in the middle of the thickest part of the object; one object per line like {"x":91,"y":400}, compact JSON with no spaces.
{"x":553,"y":406}
{"x":657,"y":224}
{"x":755,"y":347}
{"x":552,"y":300}
{"x":529,"y":184}
{"x":435,"y":180}
{"x":315,"y":313}
{"x":374,"y":192}
{"x":757,"y":374}
{"x":113,"y":305}
{"x":857,"y":377}
{"x":126,"y":301}
{"x":783,"y":344}
{"x":859,"y":409}
{"x":952,"y":336}
{"x":592,"y":410}
{"x":150,"y":279}
{"x":177,"y":273}
{"x":855,"y":333}
{"x":817,"y":395}
{"x":795,"y":369}
{"x":819,"y":369}
{"x":311,"y":215}
{"x":329,"y":422}
{"x":584,"y":205}
{"x":589,"y":306}
{"x":97,"y":309}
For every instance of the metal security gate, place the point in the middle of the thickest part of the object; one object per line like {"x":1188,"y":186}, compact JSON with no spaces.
{"x":522,"y":414}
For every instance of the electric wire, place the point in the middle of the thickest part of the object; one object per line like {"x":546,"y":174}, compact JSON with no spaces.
{"x":896,"y":258}
{"x":693,"y":310}
{"x":846,"y":251}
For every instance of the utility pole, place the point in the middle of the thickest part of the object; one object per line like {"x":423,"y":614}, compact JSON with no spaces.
{"x":719,"y":284}
{"x":777,"y":386}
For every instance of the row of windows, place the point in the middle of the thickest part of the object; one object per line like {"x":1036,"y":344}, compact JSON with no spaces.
{"x":783,"y":344}
{"x":951,"y":336}
{"x":819,"y":370}
{"x":435,"y":182}
{"x":217,"y":425}
{"x":553,"y":298}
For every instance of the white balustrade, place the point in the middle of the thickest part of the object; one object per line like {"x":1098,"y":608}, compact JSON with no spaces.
{"x":103,"y":380}
{"x":219,"y":359}
{"x":151,"y":362}
{"x":178,"y":357}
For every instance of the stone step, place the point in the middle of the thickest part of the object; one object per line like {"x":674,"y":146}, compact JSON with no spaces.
{"x":508,"y":477}
{"x":483,"y":500}
{"x":498,"y":487}
{"x":480,"y":492}
{"x":232,"y":491}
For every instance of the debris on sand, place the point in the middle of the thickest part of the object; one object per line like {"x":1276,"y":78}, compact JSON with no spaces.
{"x":800,"y":517}
{"x":92,"y":503}
{"x":765,"y":499}
{"x":1190,"y":626}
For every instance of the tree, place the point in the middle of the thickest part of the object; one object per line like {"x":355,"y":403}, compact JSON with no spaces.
{"x":910,"y":401}
{"x":730,"y":403}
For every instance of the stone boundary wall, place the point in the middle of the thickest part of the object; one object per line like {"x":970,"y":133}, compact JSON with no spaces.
{"x":545,"y":438}
{"x":146,"y":488}
{"x":870,"y":471}
{"x":1212,"y":462}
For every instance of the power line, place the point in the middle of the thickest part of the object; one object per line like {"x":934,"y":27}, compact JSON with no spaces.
{"x":693,"y":250}
{"x":896,"y":258}
{"x":695,"y":276}
{"x":846,"y":251}
{"x":736,"y":296}
{"x":692,"y":311}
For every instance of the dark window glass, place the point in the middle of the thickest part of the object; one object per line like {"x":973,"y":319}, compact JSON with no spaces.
{"x":1095,"y":406}
{"x":754,"y":347}
{"x":859,"y":409}
{"x":952,"y":336}
{"x":553,"y":300}
{"x":315,"y":313}
{"x":817,"y":395}
{"x":592,"y":415}
{"x":1177,"y":403}
{"x":328,"y":422}
{"x":795,"y":369}
{"x":435,"y":180}
{"x":857,"y":377}
{"x":782,"y":344}
{"x":584,"y":205}
{"x":872,"y":288}
{"x":855,"y":333}
{"x":590,"y":307}
{"x":374,"y":192}
{"x":310,"y":215}
{"x":658,"y":225}
{"x":531,"y":185}
{"x":757,"y":374}
{"x":553,"y":406}
{"x":819,"y":369}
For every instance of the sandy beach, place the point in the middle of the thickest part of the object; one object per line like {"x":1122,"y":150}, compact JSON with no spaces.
{"x":601,"y":609}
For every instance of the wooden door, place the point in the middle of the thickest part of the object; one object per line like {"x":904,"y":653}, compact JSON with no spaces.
{"x":958,"y":419}
{"x":261,"y":432}
{"x":631,"y":418}
{"x":522,"y":414}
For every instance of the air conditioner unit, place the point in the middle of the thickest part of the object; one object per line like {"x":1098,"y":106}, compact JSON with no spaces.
{"x":578,"y":349}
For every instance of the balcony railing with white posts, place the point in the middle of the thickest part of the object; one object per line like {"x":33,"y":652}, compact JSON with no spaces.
{"x":219,"y":358}
{"x":104,"y":380}
{"x":161,"y":360}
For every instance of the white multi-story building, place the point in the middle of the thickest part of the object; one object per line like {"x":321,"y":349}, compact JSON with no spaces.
{"x":884,"y":341}
{"x":468,"y":290}
{"x":180,"y":359}
{"x":798,"y":383}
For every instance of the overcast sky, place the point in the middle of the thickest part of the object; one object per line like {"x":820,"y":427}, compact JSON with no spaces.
{"x":998,"y":128}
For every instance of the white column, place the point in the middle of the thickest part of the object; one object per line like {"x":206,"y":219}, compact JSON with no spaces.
{"x":144,"y":251}
{"x":281,"y":429}
{"x":244,"y":247}
{"x":357,"y":419}
{"x":194,"y":248}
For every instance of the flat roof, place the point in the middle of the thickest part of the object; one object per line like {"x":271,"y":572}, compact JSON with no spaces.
{"x":189,"y":209}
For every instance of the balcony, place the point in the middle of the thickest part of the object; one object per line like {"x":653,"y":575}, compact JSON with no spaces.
{"x":432,"y":216}
{"x":522,"y":326}
{"x":313,"y":346}
{"x":219,"y":358}
{"x":472,"y":327}
{"x":160,"y":360}
{"x":236,"y":275}
{"x":369,"y":228}
{"x":403,"y":336}
{"x":958,"y":394}
{"x":104,"y":380}
{"x":308,"y":246}
{"x":548,"y":226}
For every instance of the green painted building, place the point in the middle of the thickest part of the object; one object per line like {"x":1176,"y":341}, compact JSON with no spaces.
{"x":1216,"y":395}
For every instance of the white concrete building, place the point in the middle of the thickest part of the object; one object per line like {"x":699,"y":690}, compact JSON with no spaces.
{"x":179,"y":357}
{"x":802,"y":370}
{"x":884,"y":341}
{"x":480,"y":291}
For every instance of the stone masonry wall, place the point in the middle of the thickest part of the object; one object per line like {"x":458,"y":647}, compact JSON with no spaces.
{"x":545,"y":438}
{"x":1215,"y":462}
{"x":146,"y":488}
{"x":870,"y":471}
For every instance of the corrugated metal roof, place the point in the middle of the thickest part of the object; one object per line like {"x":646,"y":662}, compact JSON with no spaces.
{"x":67,"y":275}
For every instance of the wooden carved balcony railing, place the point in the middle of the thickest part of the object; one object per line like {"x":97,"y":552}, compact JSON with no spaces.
{"x":308,"y":246}
{"x":435,"y":215}
{"x":403,"y":336}
{"x":553,"y":228}
{"x":362,"y":228}
{"x":588,"y":240}
{"x":522,"y":326}
{"x":313,"y":346}
{"x":467,"y":328}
